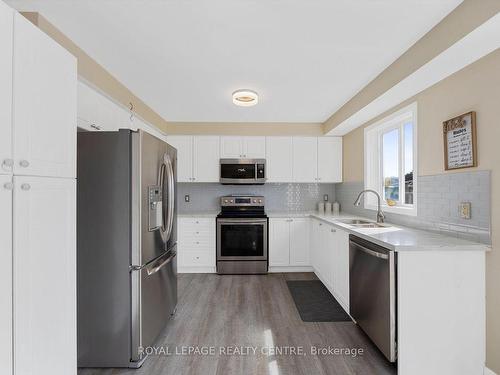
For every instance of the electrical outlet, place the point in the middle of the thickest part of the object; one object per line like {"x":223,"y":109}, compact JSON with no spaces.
{"x":325,"y":197}
{"x":186,"y":198}
{"x":464,"y":209}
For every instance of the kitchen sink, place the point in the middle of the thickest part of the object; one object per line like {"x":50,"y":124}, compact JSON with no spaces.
{"x":355,"y":222}
{"x":362,"y":223}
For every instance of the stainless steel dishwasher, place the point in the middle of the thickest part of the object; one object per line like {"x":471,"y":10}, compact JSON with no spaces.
{"x":372,"y":282}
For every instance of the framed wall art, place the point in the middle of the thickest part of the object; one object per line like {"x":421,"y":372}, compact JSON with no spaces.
{"x":460,"y":148}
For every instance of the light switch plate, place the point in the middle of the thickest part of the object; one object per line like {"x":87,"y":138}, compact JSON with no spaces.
{"x":325,"y":197}
{"x":186,"y":198}
{"x":464,"y":210}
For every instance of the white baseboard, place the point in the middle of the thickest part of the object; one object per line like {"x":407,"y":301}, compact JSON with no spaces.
{"x":285,"y":269}
{"x":487,"y":371}
{"x":196,"y":270}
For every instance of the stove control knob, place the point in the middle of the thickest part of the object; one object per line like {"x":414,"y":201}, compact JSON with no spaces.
{"x":231,"y":201}
{"x":260,"y":200}
{"x":255,"y":201}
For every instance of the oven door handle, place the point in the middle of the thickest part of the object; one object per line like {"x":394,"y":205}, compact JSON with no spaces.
{"x":242,"y":221}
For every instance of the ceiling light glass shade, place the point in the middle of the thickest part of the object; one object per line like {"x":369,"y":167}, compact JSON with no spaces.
{"x":245,"y":98}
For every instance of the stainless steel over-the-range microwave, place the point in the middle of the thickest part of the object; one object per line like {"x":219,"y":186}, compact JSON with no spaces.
{"x":243,"y":171}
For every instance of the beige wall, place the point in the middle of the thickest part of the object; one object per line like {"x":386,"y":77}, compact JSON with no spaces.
{"x":245,"y":128}
{"x":465,"y":18}
{"x":475,"y":88}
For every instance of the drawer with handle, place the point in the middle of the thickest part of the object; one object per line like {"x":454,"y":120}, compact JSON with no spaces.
{"x":196,"y":258}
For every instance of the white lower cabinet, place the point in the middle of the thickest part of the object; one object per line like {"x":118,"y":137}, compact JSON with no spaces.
{"x":289,"y":242}
{"x":299,"y":242}
{"x":44,"y":275}
{"x":279,"y":242}
{"x":341,"y":267}
{"x":6,"y":274}
{"x":196,"y":245}
{"x":330,"y":259}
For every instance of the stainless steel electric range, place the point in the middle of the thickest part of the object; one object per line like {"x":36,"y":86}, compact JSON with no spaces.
{"x":242,"y":235}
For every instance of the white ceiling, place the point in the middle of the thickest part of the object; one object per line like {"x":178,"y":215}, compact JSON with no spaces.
{"x":184,"y":58}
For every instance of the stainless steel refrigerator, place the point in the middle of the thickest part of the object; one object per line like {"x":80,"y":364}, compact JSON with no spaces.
{"x":127,"y":235}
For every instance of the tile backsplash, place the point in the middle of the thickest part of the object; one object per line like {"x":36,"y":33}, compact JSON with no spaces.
{"x":279,"y":197}
{"x":438,"y":199}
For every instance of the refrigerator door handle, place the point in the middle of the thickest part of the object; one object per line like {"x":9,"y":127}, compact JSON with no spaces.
{"x":167,"y":162}
{"x":163,"y":263}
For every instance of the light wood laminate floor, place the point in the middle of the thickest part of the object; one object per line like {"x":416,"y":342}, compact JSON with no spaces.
{"x":252,"y":311}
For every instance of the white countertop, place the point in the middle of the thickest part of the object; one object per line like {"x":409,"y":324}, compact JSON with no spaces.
{"x":393,"y":237}
{"x":203,"y":214}
{"x":399,"y":238}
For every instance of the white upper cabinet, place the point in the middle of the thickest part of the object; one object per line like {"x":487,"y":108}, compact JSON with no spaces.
{"x":6,"y":35}
{"x":45,"y":276}
{"x":44,"y":118}
{"x":232,"y":147}
{"x":184,"y":146}
{"x":6,"y":274}
{"x":329,"y":159}
{"x":138,"y":123}
{"x":299,"y":242}
{"x":305,"y":159}
{"x":279,"y":242}
{"x":206,"y":159}
{"x":279,"y":151}
{"x":254,"y":147}
{"x":197,"y":157}
{"x":97,"y":112}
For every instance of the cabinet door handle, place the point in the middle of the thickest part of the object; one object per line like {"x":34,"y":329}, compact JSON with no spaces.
{"x":96,"y":127}
{"x":8,"y":163}
{"x":24,"y":163}
{"x":333,"y":230}
{"x":8,"y":186}
{"x":25,"y":186}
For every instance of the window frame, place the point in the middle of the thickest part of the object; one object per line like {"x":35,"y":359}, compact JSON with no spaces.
{"x":373,"y":160}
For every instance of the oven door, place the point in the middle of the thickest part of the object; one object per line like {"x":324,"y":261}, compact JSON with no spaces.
{"x":241,"y":239}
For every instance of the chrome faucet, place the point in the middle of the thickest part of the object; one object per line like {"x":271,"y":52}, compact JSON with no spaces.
{"x":380,"y":214}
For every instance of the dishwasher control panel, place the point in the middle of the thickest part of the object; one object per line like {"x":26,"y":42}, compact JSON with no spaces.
{"x":155,"y":206}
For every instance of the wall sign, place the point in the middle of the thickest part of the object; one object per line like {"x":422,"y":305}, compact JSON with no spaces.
{"x":460,"y":150}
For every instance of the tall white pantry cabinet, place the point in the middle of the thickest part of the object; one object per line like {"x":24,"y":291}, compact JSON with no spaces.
{"x":37,"y":200}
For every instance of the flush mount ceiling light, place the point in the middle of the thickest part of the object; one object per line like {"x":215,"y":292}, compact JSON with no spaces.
{"x":245,"y":98}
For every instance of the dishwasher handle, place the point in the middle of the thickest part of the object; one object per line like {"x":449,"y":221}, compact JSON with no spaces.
{"x":371,"y":252}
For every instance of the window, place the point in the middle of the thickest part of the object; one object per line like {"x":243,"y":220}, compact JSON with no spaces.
{"x":390,"y":161}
